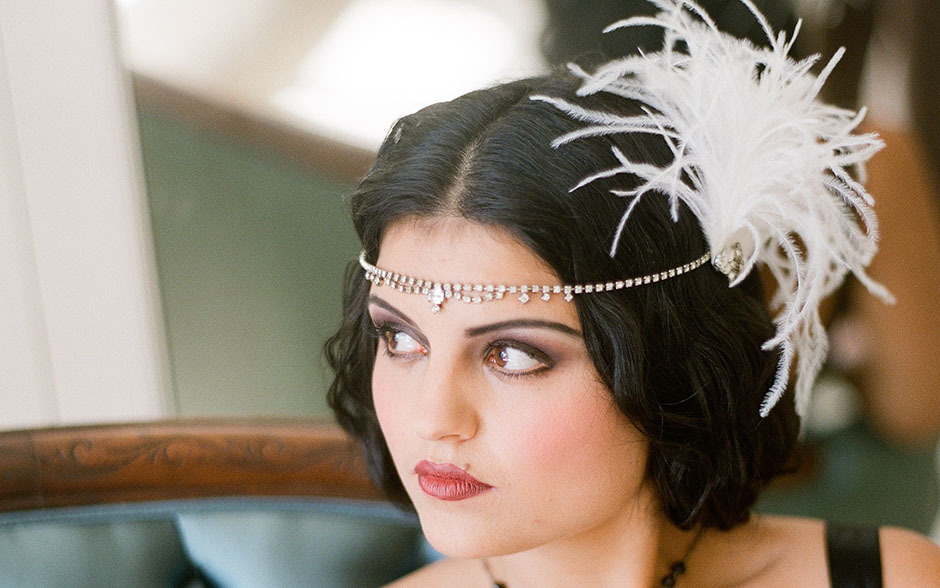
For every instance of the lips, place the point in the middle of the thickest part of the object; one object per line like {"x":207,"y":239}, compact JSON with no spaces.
{"x":447,"y":481}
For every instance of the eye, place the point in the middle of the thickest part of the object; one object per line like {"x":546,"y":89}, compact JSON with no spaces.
{"x":400,"y":343}
{"x":515,"y":361}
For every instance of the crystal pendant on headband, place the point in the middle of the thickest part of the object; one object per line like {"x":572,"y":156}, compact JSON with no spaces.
{"x":436,"y":298}
{"x":730,"y":261}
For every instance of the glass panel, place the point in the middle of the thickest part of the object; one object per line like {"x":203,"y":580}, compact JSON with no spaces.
{"x":256,"y":118}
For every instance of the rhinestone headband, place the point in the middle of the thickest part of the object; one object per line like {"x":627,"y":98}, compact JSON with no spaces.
{"x":439,"y":292}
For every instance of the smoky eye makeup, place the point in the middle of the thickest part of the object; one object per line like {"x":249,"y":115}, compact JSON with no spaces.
{"x":514,"y":359}
{"x":385,"y":325}
{"x":514,"y":348}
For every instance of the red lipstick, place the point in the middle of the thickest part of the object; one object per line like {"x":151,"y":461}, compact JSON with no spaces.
{"x":447,"y":481}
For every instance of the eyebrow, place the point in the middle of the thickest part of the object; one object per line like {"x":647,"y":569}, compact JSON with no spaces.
{"x":523,"y":323}
{"x":482,"y":329}
{"x":373,"y":299}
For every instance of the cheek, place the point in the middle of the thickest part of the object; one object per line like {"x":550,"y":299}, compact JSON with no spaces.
{"x":577,"y":438}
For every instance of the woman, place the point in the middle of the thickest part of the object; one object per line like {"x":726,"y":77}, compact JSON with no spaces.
{"x":572,"y":387}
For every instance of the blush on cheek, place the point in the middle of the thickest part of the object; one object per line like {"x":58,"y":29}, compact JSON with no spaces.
{"x":577,"y":436}
{"x":545,"y":437}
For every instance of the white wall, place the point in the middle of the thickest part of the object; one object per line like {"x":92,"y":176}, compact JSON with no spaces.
{"x":81,"y":335}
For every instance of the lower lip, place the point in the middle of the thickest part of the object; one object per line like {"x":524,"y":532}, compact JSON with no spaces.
{"x":449,"y":488}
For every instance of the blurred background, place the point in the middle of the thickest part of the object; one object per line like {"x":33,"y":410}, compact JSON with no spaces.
{"x":174,"y":230}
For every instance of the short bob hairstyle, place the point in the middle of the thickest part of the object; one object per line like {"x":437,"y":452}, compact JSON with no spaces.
{"x":682,"y":358}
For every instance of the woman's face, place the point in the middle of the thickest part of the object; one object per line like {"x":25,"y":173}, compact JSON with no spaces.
{"x":502,"y":433}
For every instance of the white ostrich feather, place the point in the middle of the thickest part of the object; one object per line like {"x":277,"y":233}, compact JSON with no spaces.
{"x":771,"y":169}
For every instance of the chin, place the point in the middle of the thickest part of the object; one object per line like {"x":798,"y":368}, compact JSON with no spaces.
{"x":470,"y":536}
{"x":464,"y":536}
{"x":457,"y":547}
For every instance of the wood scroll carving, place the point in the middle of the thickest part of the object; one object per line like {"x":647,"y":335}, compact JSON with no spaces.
{"x":103,"y":464}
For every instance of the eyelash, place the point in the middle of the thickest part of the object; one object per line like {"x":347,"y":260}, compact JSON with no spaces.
{"x":384,"y":330}
{"x":545,"y":362}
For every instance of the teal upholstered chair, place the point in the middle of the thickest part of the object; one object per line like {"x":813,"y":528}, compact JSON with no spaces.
{"x":195,"y":503}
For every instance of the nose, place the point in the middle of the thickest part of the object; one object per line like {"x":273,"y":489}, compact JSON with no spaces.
{"x":444,"y":407}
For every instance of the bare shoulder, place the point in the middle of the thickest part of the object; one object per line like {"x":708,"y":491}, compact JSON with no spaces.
{"x":799,"y":553}
{"x":908,"y":558}
{"x":453,"y":573}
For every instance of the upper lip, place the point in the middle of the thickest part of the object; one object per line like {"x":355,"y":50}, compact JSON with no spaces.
{"x":446,"y":471}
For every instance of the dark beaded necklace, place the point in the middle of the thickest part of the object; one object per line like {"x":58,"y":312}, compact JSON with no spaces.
{"x":668,"y":581}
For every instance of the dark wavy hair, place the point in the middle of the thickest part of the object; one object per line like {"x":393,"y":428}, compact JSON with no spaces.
{"x":682,"y":358}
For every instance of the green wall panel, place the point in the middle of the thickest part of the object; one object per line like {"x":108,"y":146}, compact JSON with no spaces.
{"x":251,"y":251}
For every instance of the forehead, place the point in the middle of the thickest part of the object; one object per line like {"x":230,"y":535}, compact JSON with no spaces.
{"x":461,"y":251}
{"x":431,"y":248}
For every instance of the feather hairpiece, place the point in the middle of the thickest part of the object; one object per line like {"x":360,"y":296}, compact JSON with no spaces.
{"x":773,"y":175}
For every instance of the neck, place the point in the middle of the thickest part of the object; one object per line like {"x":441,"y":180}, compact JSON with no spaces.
{"x":635,"y":550}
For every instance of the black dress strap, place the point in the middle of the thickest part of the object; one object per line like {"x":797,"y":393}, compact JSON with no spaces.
{"x":854,"y":556}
